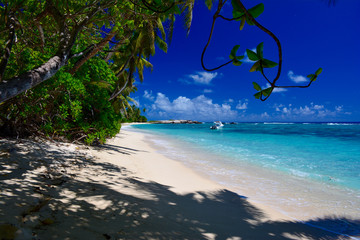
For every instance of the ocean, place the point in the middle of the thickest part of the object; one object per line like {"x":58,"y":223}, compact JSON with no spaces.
{"x":301,"y":169}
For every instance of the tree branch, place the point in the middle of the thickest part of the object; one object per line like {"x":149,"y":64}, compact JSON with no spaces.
{"x":118,"y":44}
{"x":115,"y":94}
{"x":19,"y":84}
{"x":42,"y":37}
{"x":304,"y":86}
{"x":124,"y":67}
{"x":8,"y":46}
{"x":229,"y":19}
{"x":79,"y":54}
{"x":92,"y":52}
{"x":148,"y":5}
{"x":209,"y":39}
{"x":267,"y":32}
{"x":12,"y":87}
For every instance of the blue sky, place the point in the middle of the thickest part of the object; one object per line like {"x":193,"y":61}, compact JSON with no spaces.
{"x":312,"y":34}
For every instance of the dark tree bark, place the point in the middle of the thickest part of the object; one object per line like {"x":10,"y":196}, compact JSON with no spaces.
{"x":8,"y":46}
{"x":17,"y":85}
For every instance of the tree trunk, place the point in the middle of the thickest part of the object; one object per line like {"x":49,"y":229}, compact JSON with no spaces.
{"x":17,"y":85}
{"x":8,"y":46}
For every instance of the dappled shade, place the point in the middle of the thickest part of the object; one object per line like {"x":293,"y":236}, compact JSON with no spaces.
{"x":53,"y":194}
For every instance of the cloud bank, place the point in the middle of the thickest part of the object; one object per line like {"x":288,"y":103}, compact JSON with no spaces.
{"x":199,"y":108}
{"x":202,"y":108}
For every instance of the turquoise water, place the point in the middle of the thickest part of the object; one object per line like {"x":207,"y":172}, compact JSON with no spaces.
{"x":324,"y":152}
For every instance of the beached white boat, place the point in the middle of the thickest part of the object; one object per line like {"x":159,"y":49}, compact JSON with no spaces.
{"x":217,"y":125}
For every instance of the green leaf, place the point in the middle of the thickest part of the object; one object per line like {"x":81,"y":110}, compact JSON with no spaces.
{"x":249,"y":22}
{"x":267,"y":91}
{"x":255,"y":67}
{"x":268,"y":64}
{"x":101,"y":84}
{"x":242,"y":24}
{"x":239,"y":57}
{"x":161,"y":43}
{"x":311,"y":76}
{"x":177,"y":9}
{"x":257,"y":86}
{"x":233,"y":51}
{"x":252,"y":55}
{"x":237,"y":11}
{"x":257,"y":95}
{"x":259,"y":50}
{"x":161,"y":28}
{"x":237,"y":62}
{"x":209,"y":3}
{"x":235,"y":5}
{"x":146,"y":63}
{"x":318,"y":71}
{"x":237,"y":14}
{"x":257,"y":10}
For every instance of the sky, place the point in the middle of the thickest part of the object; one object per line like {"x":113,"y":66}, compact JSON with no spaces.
{"x":312,"y":34}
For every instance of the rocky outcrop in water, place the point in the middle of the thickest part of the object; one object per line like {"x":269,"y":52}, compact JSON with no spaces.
{"x":177,"y":122}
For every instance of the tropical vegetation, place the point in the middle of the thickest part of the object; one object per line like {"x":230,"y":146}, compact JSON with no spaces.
{"x":67,"y":67}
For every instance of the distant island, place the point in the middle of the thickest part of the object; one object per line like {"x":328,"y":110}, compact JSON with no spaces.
{"x":176,"y":122}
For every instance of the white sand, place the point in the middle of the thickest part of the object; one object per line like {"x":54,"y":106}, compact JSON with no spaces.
{"x":125,"y":190}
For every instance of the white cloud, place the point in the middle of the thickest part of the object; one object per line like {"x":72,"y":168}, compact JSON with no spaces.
{"x":265,"y":115}
{"x":208,"y":91}
{"x":318,"y":107}
{"x":202,"y":77}
{"x":276,"y":90}
{"x":242,"y":105}
{"x":339,"y":108}
{"x":304,"y":111}
{"x":297,"y":78}
{"x":200,"y":108}
{"x":312,"y":112}
{"x":148,"y":95}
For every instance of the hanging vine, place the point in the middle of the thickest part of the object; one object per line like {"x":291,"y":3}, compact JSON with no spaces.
{"x":244,"y":15}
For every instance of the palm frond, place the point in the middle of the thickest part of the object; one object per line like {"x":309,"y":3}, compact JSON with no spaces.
{"x":171,"y":27}
{"x":161,"y":28}
{"x":189,"y":7}
{"x":161,"y":44}
{"x":147,"y":63}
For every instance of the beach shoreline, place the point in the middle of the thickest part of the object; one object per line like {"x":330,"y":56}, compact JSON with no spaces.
{"x":125,"y":189}
{"x":297,"y":197}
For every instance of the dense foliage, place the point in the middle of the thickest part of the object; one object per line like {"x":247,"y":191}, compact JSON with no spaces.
{"x":73,"y":106}
{"x":80,"y":29}
{"x":90,"y":52}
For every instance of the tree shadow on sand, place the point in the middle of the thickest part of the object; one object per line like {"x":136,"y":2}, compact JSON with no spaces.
{"x":88,"y":199}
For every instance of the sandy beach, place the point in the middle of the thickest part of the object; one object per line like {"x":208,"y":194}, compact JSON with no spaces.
{"x":125,"y":189}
